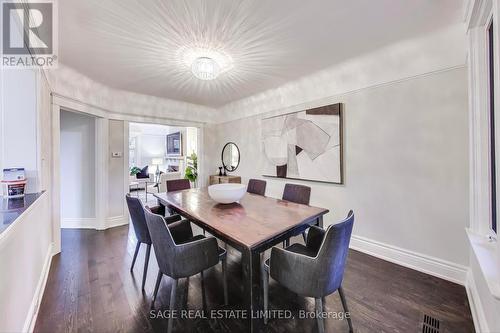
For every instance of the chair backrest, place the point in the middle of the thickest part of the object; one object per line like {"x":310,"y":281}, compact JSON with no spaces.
{"x":178,"y":184}
{"x":163,"y":242}
{"x":256,"y":186}
{"x":332,"y":254}
{"x":297,"y":193}
{"x":138,"y":218}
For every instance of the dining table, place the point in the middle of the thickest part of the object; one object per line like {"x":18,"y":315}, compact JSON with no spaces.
{"x":252,"y":225}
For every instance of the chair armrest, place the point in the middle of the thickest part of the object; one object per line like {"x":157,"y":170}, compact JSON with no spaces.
{"x":295,"y":271}
{"x":173,"y":218}
{"x":181,"y":231}
{"x":160,"y":210}
{"x":315,"y":236}
{"x":196,"y":256}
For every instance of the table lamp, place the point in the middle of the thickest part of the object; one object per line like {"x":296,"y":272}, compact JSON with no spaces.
{"x":157,"y":161}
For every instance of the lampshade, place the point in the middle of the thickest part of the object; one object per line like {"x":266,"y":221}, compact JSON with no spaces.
{"x":157,"y":161}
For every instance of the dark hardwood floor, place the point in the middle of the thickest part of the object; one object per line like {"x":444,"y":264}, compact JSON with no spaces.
{"x":91,"y":289}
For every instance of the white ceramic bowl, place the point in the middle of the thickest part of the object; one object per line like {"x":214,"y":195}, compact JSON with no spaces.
{"x":227,"y":193}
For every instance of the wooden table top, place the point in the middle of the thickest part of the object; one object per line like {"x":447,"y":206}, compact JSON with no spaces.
{"x":253,"y":221}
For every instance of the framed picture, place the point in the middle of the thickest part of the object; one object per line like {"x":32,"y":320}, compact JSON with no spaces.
{"x":174,"y":144}
{"x":305,"y":145}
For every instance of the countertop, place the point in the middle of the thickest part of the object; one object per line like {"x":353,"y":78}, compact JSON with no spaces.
{"x":12,"y":208}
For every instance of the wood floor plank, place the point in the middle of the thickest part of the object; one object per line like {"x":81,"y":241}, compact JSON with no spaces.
{"x":90,"y":289}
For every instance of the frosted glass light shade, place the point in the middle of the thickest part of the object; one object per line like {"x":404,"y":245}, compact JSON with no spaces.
{"x":205,"y":63}
{"x":205,"y":68}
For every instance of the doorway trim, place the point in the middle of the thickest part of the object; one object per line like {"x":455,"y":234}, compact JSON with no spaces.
{"x":102,"y":125}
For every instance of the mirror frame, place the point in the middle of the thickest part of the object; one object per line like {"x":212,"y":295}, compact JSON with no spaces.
{"x":222,"y":156}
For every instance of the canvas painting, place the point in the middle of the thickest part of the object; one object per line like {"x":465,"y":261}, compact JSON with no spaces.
{"x":305,"y":145}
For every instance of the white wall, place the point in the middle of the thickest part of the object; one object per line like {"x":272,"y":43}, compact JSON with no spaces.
{"x":77,"y":167}
{"x":149,"y":146}
{"x":25,"y":254}
{"x":26,"y":246}
{"x":93,"y":182}
{"x":116,"y":169}
{"x":150,"y":142}
{"x":19,"y":123}
{"x":406,"y":174}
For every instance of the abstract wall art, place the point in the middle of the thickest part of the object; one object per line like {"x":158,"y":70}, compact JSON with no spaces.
{"x":305,"y":145}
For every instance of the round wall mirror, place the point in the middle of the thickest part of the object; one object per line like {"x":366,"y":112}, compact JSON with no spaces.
{"x":230,"y":156}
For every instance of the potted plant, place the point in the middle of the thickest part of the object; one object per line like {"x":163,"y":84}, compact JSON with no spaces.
{"x":191,"y":171}
{"x":134,"y":171}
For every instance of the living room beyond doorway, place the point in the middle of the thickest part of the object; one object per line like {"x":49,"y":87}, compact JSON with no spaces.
{"x":158,"y":153}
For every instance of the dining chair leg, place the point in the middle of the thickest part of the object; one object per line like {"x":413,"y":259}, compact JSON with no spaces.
{"x":157,"y":286}
{"x":146,"y":262}
{"x":224,"y":282}
{"x":172,"y":305}
{"x":203,"y":295}
{"x":319,"y":309}
{"x":265,"y":284}
{"x":346,"y":309}
{"x":137,"y":246}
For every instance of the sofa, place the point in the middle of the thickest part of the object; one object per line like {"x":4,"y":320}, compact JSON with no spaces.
{"x":142,"y":181}
{"x":142,"y":178}
{"x":162,"y":184}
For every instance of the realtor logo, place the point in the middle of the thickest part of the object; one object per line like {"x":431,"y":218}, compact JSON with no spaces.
{"x":29,"y":31}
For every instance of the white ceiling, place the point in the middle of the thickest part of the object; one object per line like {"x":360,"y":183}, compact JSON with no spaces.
{"x":133,"y":44}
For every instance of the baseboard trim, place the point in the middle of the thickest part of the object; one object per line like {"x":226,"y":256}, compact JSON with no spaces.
{"x":430,"y":265}
{"x":29,"y":323}
{"x":79,"y":223}
{"x":476,"y":307}
{"x":93,"y":223}
{"x":116,"y":221}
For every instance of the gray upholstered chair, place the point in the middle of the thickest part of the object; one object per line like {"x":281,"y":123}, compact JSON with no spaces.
{"x":138,"y":218}
{"x":181,"y":255}
{"x":256,"y":186}
{"x":178,"y":185}
{"x":300,"y":194}
{"x":314,"y":270}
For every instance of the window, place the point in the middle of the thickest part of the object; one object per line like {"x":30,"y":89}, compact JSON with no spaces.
{"x":491,"y":95}
{"x":132,"y":142}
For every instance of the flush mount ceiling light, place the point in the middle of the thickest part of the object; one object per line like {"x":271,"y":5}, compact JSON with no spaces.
{"x":205,"y":68}
{"x":205,"y":64}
